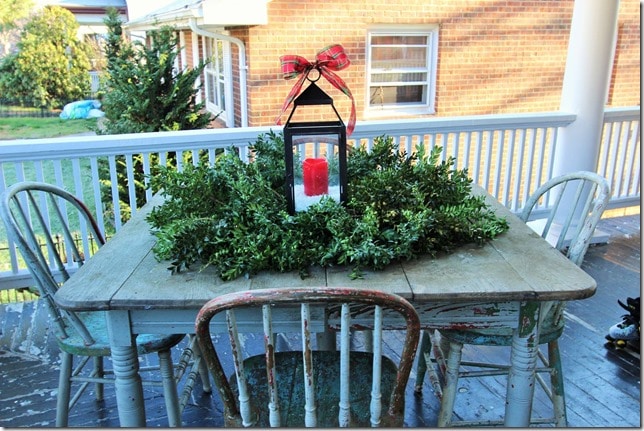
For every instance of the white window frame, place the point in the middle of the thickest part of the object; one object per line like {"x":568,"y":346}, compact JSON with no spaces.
{"x":221,"y":77}
{"x":427,"y":106}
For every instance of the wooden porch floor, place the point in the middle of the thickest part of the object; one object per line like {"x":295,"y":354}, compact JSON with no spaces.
{"x":602,"y":385}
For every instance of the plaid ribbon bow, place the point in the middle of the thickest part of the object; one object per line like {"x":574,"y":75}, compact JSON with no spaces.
{"x":332,"y":58}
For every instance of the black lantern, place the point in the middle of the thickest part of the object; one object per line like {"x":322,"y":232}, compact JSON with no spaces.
{"x":315,"y":155}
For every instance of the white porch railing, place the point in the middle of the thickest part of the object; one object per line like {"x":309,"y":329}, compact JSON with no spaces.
{"x":509,"y":155}
{"x":619,"y":156}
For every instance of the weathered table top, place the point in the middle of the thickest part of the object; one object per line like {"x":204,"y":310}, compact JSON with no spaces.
{"x":516,"y":266}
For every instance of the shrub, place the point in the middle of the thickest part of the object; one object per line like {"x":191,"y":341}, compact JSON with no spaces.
{"x":51,"y":65}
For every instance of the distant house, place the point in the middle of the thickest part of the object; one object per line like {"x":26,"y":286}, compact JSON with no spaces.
{"x":90,"y":13}
{"x":409,"y":58}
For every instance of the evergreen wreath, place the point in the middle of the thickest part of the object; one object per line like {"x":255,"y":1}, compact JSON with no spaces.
{"x":233,"y":215}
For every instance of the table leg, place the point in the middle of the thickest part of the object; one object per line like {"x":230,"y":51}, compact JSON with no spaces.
{"x":521,"y":380}
{"x":125,"y":361}
{"x":424,"y":349}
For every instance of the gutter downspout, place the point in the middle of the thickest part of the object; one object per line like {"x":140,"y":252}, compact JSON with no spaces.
{"x":243,"y":68}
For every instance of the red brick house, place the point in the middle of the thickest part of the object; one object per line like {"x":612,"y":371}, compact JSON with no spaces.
{"x":408,"y":58}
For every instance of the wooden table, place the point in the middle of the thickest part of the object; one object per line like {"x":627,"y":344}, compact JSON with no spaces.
{"x":505,"y":282}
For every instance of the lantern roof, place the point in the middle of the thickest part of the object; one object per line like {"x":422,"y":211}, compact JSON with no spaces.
{"x":313,"y":95}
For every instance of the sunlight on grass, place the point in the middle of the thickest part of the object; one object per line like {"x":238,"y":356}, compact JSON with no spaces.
{"x":35,"y":128}
{"x":48,"y":171}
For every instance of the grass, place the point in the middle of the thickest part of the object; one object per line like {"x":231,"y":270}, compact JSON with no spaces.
{"x":35,"y":128}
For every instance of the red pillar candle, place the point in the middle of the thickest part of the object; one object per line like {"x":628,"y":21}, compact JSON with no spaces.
{"x":316,"y":177}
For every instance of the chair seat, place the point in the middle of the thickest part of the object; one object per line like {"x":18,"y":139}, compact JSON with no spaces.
{"x":96,"y":323}
{"x":290,"y":376}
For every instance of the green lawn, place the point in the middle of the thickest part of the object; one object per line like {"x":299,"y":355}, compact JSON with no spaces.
{"x":34,"y":128}
{"x":48,"y":172}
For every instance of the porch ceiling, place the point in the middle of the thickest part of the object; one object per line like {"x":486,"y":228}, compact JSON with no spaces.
{"x":208,"y":14}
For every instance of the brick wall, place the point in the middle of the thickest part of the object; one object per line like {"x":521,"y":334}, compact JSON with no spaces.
{"x":625,"y":82}
{"x":494,"y":56}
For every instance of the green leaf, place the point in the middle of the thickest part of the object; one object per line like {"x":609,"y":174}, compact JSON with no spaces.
{"x":232,"y":215}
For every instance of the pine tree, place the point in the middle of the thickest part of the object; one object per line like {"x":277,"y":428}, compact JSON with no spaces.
{"x":145,"y":93}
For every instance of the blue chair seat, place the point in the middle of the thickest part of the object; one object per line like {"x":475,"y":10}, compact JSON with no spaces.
{"x":96,"y":324}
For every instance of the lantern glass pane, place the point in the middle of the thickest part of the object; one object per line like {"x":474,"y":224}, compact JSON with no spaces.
{"x":316,"y":171}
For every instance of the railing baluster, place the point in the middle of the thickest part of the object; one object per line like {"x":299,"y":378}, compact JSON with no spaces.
{"x":527,"y":178}
{"x":96,"y":189}
{"x":147,"y":170}
{"x":520,"y":133}
{"x":131,"y":181}
{"x":509,"y":161}
{"x":633,"y":157}
{"x":476,"y":167}
{"x":488,"y":158}
{"x":115,"y":193}
{"x":624,"y":161}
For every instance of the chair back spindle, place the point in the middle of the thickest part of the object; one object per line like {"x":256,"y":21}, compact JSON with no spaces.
{"x":579,"y":200}
{"x":269,"y":343}
{"x":333,"y":379}
{"x":33,"y":212}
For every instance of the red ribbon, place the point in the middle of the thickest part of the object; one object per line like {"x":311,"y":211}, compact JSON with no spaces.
{"x":331,"y":58}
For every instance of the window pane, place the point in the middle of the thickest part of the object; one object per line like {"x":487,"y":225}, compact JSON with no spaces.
{"x":400,"y":68}
{"x":378,"y":78}
{"x":208,"y":51}
{"x":399,"y":40}
{"x":216,"y":77}
{"x":220,"y":56}
{"x":211,"y":87}
{"x":382,"y":95}
{"x":222,"y":98}
{"x":396,"y":57}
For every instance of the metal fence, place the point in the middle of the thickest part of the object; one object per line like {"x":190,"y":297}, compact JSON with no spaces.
{"x":8,"y":110}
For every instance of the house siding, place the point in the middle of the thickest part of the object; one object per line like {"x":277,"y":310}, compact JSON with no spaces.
{"x":493,"y":57}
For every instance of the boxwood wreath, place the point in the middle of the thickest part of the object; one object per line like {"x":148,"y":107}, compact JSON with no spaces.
{"x":233,"y":215}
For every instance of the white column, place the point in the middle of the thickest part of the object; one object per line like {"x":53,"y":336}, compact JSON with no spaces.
{"x":586,"y":81}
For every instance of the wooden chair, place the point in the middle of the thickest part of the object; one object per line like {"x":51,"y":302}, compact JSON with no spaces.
{"x":577,"y":201}
{"x":39,"y":219}
{"x":343,"y":388}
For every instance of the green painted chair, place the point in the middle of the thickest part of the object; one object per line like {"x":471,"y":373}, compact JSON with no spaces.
{"x":576,"y":202}
{"x":38,"y":218}
{"x":309,"y":387}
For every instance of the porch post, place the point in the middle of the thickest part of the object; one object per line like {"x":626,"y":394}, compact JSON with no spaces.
{"x":586,"y":82}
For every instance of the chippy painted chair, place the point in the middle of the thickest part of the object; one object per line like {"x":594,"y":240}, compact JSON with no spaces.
{"x":310,"y":387}
{"x":577,"y":203}
{"x":35,"y":212}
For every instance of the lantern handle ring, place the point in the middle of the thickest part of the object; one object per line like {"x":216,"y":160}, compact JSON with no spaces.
{"x":309,"y":74}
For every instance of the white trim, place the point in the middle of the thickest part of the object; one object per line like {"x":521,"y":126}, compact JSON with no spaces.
{"x":219,"y":75}
{"x":228,"y":82}
{"x":196,"y":58}
{"x":429,"y":94}
{"x":182,"y":51}
{"x":242,"y":67}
